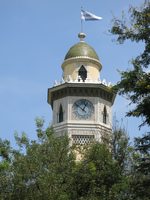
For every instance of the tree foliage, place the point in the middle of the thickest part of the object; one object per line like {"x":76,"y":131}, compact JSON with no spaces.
{"x":39,"y":169}
{"x":120,"y":145}
{"x":135,"y":83}
{"x":47,"y":168}
{"x":143,"y":166}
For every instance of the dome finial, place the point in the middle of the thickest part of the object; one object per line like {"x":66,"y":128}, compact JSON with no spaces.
{"x":81,"y":36}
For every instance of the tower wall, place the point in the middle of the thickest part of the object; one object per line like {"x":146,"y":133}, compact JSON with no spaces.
{"x":73,"y":68}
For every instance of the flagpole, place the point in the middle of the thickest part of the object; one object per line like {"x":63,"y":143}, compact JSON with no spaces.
{"x":81,"y":22}
{"x":81,"y":35}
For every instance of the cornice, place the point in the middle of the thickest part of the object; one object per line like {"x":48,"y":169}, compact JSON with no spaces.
{"x":83,"y":59}
{"x":80,"y":89}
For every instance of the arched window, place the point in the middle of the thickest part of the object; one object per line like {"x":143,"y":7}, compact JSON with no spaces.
{"x":82,"y":73}
{"x":104,"y":115}
{"x":60,"y":115}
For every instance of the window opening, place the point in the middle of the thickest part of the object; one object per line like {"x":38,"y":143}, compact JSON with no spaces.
{"x":83,"y":73}
{"x":60,"y":114}
{"x":104,"y":115}
{"x":82,"y":139}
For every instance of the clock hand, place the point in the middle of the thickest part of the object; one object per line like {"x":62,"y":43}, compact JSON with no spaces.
{"x":85,"y":105}
{"x":81,"y":108}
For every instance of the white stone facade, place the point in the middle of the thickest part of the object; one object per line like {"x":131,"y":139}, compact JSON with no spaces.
{"x":73,"y":126}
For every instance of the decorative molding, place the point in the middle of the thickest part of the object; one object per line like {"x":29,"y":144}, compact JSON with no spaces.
{"x":82,"y":59}
{"x":79,"y":80}
{"x":104,"y":82}
{"x":82,"y":91}
{"x":72,"y":128}
{"x":55,"y":83}
{"x":69,"y":79}
{"x":98,"y":80}
{"x":61,"y":81}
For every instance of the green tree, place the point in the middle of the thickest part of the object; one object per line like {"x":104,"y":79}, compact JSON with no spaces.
{"x":47,"y":168}
{"x":39,"y":169}
{"x":97,"y":175}
{"x":107,"y":169}
{"x":120,"y":145}
{"x":142,"y":167}
{"x":125,"y":156}
{"x":135,"y":83}
{"x":130,"y":163}
{"x":5,"y":169}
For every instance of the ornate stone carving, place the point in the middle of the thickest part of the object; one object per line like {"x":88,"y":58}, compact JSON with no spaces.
{"x":55,"y":83}
{"x":61,"y":81}
{"x":88,"y":80}
{"x":69,"y":79}
{"x":79,"y":80}
{"x":98,"y":80}
{"x":104,"y":82}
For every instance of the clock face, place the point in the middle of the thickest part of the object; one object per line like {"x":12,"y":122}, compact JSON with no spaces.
{"x":83,"y":109}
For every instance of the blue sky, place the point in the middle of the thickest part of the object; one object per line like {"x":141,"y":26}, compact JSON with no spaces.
{"x":35,"y":37}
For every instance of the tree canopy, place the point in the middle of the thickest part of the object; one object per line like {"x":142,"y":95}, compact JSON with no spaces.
{"x":47,"y":168}
{"x":135,"y":83}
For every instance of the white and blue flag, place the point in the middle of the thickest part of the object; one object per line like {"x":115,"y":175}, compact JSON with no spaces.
{"x":89,"y":16}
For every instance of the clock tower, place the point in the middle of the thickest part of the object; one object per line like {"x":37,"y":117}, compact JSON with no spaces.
{"x":81,"y":102}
